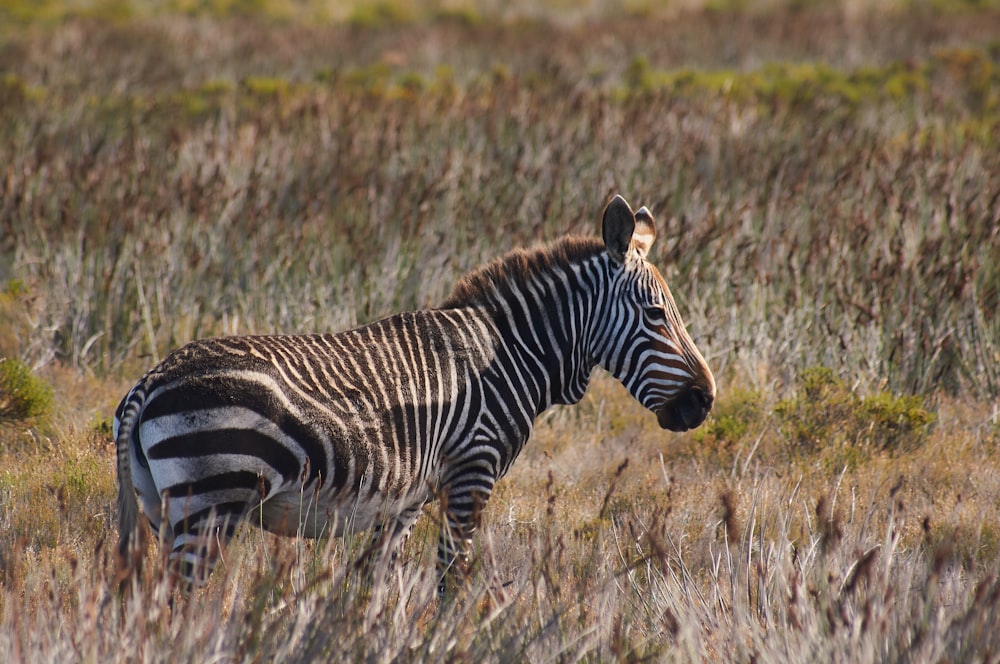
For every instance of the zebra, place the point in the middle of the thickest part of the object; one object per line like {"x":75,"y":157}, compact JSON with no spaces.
{"x":335,"y":433}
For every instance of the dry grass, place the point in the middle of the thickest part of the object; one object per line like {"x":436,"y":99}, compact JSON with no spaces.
{"x":826,"y":184}
{"x":581,"y":556}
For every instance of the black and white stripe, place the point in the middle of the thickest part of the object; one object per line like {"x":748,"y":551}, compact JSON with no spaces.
{"x":332,"y":433}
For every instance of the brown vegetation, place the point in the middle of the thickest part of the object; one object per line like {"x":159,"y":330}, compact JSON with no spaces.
{"x":827,"y":183}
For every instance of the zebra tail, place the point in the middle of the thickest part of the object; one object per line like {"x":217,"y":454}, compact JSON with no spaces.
{"x":128,"y":507}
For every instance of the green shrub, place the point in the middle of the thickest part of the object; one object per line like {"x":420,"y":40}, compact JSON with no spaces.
{"x":23,"y":396}
{"x":894,"y":420}
{"x":264,"y":86}
{"x":823,"y":403}
{"x":467,"y":17}
{"x":380,"y":14}
{"x":739,"y":412}
{"x":639,"y":75}
{"x":826,"y":412}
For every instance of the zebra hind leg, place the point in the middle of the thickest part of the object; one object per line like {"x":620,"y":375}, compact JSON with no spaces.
{"x":199,"y":540}
{"x":388,"y":537}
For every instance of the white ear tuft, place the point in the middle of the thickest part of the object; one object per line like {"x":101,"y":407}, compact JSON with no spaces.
{"x":645,"y":231}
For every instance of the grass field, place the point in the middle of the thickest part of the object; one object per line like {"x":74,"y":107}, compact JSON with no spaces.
{"x":826,"y":180}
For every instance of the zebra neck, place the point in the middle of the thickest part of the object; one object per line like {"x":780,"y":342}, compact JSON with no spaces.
{"x":542,"y":325}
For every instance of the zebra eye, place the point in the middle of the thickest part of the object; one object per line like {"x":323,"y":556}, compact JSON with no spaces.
{"x":654,"y":313}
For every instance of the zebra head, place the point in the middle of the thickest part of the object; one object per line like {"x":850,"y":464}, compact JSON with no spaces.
{"x":642,"y":340}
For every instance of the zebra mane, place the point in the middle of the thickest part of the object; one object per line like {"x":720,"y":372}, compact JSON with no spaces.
{"x":518,"y":266}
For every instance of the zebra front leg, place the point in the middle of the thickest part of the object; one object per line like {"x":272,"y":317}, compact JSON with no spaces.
{"x":462,"y":507}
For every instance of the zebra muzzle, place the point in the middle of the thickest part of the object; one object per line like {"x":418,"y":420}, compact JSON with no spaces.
{"x":686,"y":411}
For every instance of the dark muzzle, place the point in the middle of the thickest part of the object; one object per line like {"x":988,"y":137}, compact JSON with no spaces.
{"x":686,"y":411}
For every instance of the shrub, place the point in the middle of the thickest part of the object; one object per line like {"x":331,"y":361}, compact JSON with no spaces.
{"x":812,"y":417}
{"x":826,"y":412}
{"x":894,"y":420}
{"x":381,"y":14}
{"x":23,"y":396}
{"x":740,"y":413}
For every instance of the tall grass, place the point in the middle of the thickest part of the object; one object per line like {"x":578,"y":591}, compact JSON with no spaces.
{"x":828,"y":202}
{"x":780,"y":570}
{"x":141,"y":226}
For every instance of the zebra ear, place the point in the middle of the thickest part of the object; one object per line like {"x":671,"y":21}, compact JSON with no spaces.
{"x":617,"y":228}
{"x":645,"y":231}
